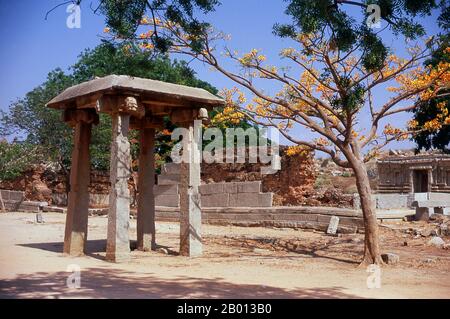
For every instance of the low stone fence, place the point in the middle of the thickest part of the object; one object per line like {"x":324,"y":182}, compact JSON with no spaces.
{"x":14,"y":201}
{"x":317,"y":218}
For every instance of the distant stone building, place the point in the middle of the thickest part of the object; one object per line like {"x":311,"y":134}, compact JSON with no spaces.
{"x":420,"y":173}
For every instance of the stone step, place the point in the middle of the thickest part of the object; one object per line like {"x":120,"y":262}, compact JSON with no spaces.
{"x":12,"y":195}
{"x":171,"y":168}
{"x":168,"y":179}
{"x":167,"y":200}
{"x":165,"y":189}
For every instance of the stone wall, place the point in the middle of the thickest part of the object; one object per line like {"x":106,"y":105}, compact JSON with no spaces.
{"x":292,"y":185}
{"x":396,"y":173}
{"x":224,"y":194}
{"x":15,"y":201}
{"x":395,"y":201}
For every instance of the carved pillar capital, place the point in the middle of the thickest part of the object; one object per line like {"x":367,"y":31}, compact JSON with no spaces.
{"x":184,"y":116}
{"x":121,"y":104}
{"x":73,"y":116}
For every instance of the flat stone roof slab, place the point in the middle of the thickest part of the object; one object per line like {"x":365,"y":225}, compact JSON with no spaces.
{"x":118,"y":84}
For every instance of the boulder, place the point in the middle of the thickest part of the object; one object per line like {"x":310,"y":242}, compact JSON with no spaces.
{"x":390,"y":258}
{"x":436,"y":242}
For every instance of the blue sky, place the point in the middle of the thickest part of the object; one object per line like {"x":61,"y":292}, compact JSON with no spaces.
{"x":33,"y":46}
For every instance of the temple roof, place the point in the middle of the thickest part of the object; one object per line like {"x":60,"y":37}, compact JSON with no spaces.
{"x":150,"y":91}
{"x":411,"y":159}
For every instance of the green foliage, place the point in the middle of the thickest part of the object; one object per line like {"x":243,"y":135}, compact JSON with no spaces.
{"x":15,"y":158}
{"x":351,"y":98}
{"x":333,"y":17}
{"x":427,"y":110}
{"x":29,"y":118}
{"x":36,"y":124}
{"x":124,"y":16}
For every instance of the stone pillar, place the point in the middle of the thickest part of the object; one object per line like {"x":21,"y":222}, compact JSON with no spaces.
{"x":118,"y":243}
{"x":430,"y":180}
{"x":411,"y":180}
{"x":190,"y":212}
{"x":146,"y":182}
{"x":78,"y":202}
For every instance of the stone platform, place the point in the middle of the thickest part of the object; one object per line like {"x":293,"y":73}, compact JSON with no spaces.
{"x":317,"y":218}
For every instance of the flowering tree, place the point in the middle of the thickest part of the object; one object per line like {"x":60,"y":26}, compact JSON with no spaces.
{"x":327,"y":83}
{"x":329,"y":92}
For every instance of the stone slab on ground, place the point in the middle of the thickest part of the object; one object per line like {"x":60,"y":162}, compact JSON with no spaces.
{"x":390,"y":258}
{"x":317,"y":218}
{"x":333,"y":225}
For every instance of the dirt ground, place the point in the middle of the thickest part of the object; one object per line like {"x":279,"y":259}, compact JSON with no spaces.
{"x":237,"y":263}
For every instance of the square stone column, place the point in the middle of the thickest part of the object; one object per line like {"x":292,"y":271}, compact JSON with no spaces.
{"x":75,"y":235}
{"x":118,"y":243}
{"x":146,"y":200}
{"x":190,"y":211}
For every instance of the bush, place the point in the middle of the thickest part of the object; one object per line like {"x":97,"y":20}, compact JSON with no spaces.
{"x":15,"y":158}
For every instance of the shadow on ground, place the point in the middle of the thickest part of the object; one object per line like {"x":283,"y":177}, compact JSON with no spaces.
{"x":93,"y":247}
{"x":114,"y":283}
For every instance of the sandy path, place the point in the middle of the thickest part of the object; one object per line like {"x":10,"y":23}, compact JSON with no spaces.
{"x":31,"y":265}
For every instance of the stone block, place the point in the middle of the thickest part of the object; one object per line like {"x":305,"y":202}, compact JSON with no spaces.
{"x":208,"y":189}
{"x":423,"y":213}
{"x":162,"y":215}
{"x":440,"y":197}
{"x":215,"y":200}
{"x":390,"y":201}
{"x":296,"y":217}
{"x":249,"y":187}
{"x":17,"y":196}
{"x":32,"y":206}
{"x":333,"y":225}
{"x":230,"y":188}
{"x":251,"y":200}
{"x":168,"y":179}
{"x":54,"y":209}
{"x":390,"y":258}
{"x":167,"y":200}
{"x":165,"y":190}
{"x":171,"y":168}
{"x":5,"y":194}
{"x":436,"y":242}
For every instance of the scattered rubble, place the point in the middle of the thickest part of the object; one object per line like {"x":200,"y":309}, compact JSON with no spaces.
{"x":390,"y":258}
{"x":436,"y":242}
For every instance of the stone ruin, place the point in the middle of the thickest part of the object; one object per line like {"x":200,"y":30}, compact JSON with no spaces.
{"x":419,"y":181}
{"x":225,"y":194}
{"x":422,"y":173}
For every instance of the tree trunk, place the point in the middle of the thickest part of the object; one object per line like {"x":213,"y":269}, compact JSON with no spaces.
{"x":372,"y":254}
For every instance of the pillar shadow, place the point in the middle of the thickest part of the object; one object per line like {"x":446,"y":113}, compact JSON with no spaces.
{"x":93,"y":247}
{"x":115,"y":283}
